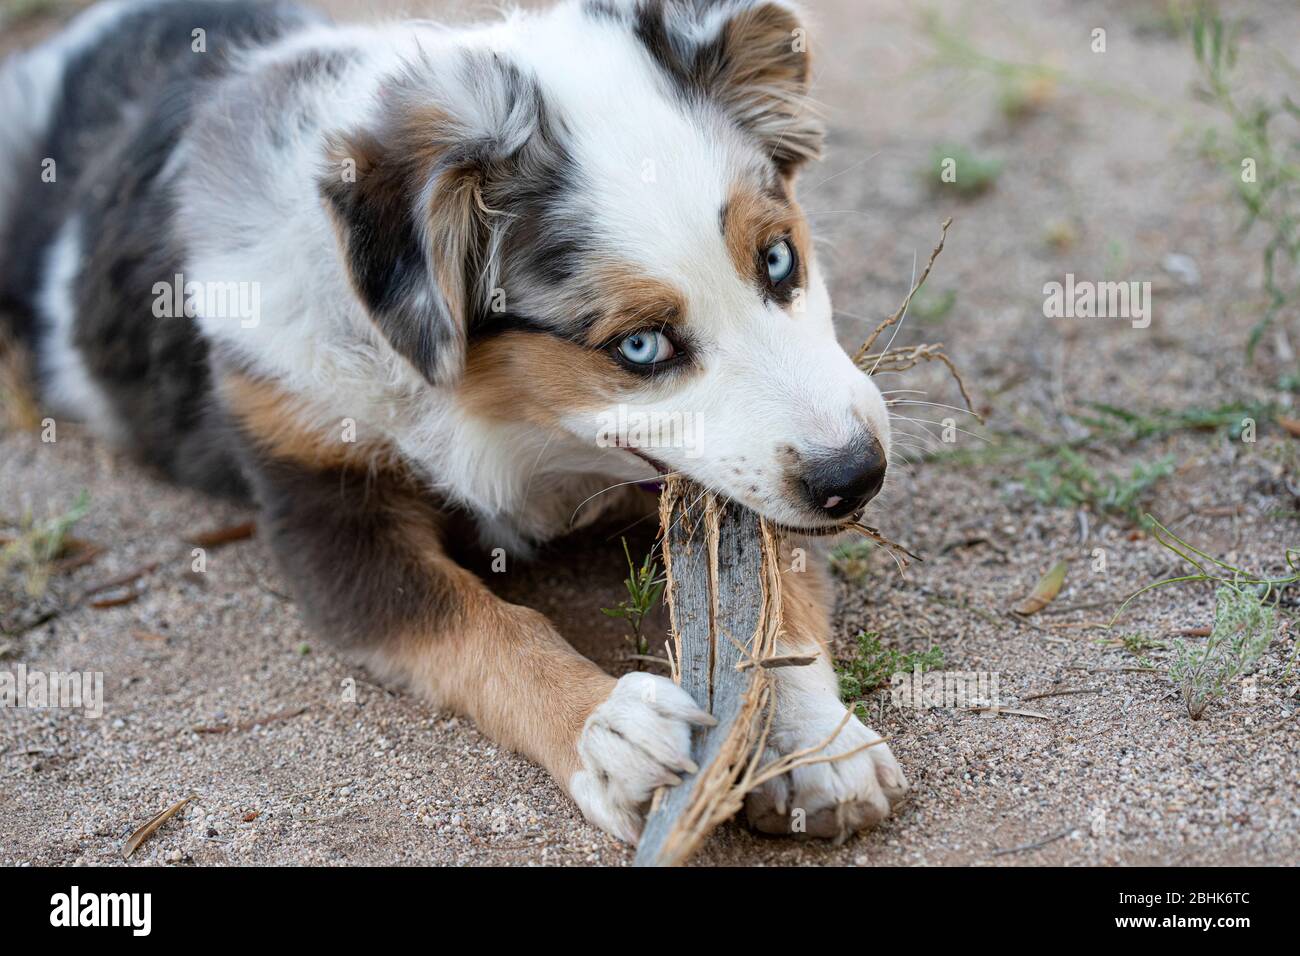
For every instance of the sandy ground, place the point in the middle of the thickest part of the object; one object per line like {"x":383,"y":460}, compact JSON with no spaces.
{"x":214,"y":689}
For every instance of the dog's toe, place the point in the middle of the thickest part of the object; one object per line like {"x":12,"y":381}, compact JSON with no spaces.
{"x":830,"y":799}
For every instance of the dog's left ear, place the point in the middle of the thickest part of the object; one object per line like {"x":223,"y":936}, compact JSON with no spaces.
{"x":752,"y":57}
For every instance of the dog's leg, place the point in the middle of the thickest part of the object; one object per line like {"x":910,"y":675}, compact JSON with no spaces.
{"x":361,"y":543}
{"x":833,"y":798}
{"x":609,"y":743}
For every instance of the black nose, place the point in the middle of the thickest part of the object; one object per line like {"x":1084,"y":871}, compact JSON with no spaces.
{"x":839,"y":483}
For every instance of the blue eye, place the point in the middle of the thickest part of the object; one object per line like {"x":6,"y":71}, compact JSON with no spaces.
{"x":646,"y":347}
{"x":780,"y":262}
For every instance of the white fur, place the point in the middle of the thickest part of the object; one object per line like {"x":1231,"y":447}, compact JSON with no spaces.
{"x":830,"y":798}
{"x":67,"y":386}
{"x":638,"y":740}
{"x":29,"y":86}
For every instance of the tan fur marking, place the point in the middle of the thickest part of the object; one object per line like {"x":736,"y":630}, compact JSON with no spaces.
{"x":536,"y":377}
{"x":754,"y":220}
{"x":281,"y":426}
{"x":806,"y":605}
{"x":763,"y":56}
{"x":633,"y":301}
{"x":394,"y":170}
{"x":505,"y":667}
{"x":462,"y":648}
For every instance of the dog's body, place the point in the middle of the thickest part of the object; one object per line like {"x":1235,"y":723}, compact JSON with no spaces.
{"x":396,"y":283}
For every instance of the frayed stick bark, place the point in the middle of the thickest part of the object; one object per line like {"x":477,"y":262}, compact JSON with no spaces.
{"x":724,"y":599}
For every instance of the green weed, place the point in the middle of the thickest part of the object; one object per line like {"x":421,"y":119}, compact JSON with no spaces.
{"x":1245,"y":619}
{"x":645,"y":591}
{"x":1264,"y":161}
{"x":873,"y":664}
{"x":958,"y":168}
{"x":1066,"y":480}
{"x":36,"y":545}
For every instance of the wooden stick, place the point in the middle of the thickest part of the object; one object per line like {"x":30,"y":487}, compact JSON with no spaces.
{"x":720,"y":562}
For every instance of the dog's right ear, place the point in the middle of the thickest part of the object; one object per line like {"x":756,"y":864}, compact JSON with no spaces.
{"x":406,"y":196}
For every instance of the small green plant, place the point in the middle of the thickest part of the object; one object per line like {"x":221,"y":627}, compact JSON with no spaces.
{"x":1066,"y":480}
{"x":1243,"y":628}
{"x":852,"y":560}
{"x":1245,"y":619}
{"x":1135,"y":644}
{"x":1264,"y":162}
{"x":873,"y":664}
{"x":932,"y":306}
{"x":956,"y":167}
{"x":38,"y":544}
{"x":1023,"y":94}
{"x":1121,"y":424}
{"x":645,"y":590}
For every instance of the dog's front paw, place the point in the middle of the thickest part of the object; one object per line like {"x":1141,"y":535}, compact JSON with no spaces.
{"x":834,"y":798}
{"x":638,"y":740}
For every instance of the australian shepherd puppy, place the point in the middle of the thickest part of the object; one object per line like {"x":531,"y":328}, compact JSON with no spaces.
{"x":394,"y":283}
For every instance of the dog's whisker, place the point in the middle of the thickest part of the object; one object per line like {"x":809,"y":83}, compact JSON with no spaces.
{"x":528,"y":485}
{"x":955,"y":408}
{"x":621,"y":484}
{"x":924,"y":443}
{"x":847,"y":169}
{"x":927,"y":421}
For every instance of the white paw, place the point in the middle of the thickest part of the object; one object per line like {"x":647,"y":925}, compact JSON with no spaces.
{"x":831,"y":799}
{"x":638,"y":740}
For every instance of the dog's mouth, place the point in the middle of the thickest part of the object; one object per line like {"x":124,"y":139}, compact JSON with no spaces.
{"x":655,"y":463}
{"x":824,"y":531}
{"x":816,"y":531}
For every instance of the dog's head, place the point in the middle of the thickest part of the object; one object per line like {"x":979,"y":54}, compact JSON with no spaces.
{"x":587,"y":221}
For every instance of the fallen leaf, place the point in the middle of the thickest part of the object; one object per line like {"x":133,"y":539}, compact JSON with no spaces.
{"x":126,"y":597}
{"x":999,"y":711}
{"x":150,"y":636}
{"x":120,"y":581}
{"x":220,"y":536}
{"x":150,"y":828}
{"x":1292,"y":425}
{"x":75,"y":554}
{"x":250,"y":724}
{"x":1045,"y":591}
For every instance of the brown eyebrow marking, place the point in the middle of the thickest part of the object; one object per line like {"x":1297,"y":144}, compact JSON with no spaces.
{"x":629,"y":301}
{"x":752,"y":218}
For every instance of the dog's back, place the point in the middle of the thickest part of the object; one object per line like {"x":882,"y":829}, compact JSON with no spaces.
{"x":93,"y":118}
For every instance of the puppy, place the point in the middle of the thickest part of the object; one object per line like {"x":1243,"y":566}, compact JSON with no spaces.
{"x":406,"y":285}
